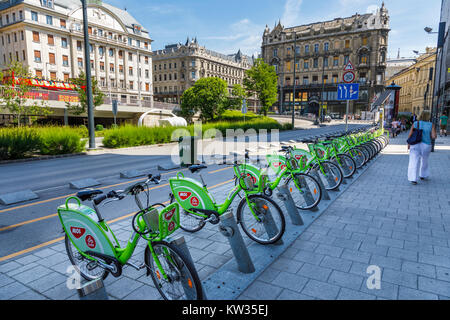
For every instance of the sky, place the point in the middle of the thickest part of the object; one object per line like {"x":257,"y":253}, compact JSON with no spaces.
{"x":227,"y":26}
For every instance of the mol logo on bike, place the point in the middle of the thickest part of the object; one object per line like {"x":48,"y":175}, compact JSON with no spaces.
{"x":90,"y":242}
{"x":77,"y":232}
{"x":171,"y":226}
{"x":184,"y":195}
{"x":194,"y":201}
{"x":168,"y":215}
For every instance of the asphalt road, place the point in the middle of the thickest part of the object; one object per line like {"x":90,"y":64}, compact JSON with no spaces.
{"x":26,"y":226}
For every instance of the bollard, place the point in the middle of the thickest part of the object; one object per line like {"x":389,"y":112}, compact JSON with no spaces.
{"x":306,"y":192}
{"x":180,"y":243}
{"x":269,"y":223}
{"x":285,"y":196}
{"x":93,"y":290}
{"x":228,"y":227}
{"x":315,"y":174}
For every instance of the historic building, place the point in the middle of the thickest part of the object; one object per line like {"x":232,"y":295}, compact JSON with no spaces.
{"x":178,"y":66}
{"x":318,"y":53}
{"x":417,"y":82}
{"x":47,"y":36}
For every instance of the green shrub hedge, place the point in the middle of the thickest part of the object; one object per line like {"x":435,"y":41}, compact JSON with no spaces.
{"x":60,"y":140}
{"x":17,"y":143}
{"x":234,"y":115}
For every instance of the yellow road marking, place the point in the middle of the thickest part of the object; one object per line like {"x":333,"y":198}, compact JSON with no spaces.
{"x":219,"y":170}
{"x":13,"y":255}
{"x":71,"y":195}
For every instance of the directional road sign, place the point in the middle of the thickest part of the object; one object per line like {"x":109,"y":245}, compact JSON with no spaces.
{"x":348,"y":91}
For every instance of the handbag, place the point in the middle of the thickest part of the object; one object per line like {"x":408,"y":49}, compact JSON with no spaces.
{"x":416,"y":136}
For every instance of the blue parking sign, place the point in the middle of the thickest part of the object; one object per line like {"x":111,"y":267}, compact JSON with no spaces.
{"x":348,"y":91}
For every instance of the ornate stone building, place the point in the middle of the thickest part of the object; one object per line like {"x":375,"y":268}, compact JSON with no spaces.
{"x":178,"y":66}
{"x":321,"y":51}
{"x":417,"y":82}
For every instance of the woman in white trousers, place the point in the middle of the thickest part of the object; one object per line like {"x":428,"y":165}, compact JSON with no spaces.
{"x":420,"y":153}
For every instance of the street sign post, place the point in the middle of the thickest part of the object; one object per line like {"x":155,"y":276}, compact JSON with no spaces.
{"x":348,"y":91}
{"x":114,"y":110}
{"x":244,"y":108}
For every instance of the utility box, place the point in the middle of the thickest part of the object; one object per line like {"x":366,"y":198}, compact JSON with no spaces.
{"x":188,"y":151}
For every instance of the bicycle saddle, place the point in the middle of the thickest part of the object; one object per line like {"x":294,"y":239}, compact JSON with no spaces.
{"x":88,"y":194}
{"x":197,"y":167}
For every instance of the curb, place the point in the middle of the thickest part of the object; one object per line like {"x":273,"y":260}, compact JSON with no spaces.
{"x":39,"y":158}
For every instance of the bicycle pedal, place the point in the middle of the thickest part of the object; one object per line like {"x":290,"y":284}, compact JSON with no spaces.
{"x":136,"y":266}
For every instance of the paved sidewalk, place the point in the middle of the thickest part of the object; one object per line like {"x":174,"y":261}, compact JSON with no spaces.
{"x":379,"y":220}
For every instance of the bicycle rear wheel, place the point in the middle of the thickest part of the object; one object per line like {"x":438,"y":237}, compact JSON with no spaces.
{"x":357,"y":156}
{"x":347,"y":164}
{"x":331,"y":176}
{"x":309,"y":190}
{"x":181,"y":281}
{"x":190,"y":222}
{"x":269,"y":224}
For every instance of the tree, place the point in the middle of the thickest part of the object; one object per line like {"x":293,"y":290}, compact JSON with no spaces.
{"x":238,"y":94}
{"x":262,"y":79}
{"x":208,"y":96}
{"x":16,"y":94}
{"x":97,"y":94}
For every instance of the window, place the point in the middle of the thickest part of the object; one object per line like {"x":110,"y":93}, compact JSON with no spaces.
{"x":39,"y":74}
{"x":120,"y":68}
{"x":305,"y":80}
{"x":275,"y":52}
{"x":336,"y":61}
{"x":79,"y":45}
{"x":193,"y":75}
{"x":14,"y":17}
{"x":347,"y":44}
{"x":363,"y":59}
{"x":34,"y":16}
{"x":138,"y":43}
{"x":62,"y":23}
{"x":325,"y":79}
{"x":50,"y":40}
{"x":306,"y":65}
{"x":120,"y":54}
{"x":288,"y":66}
{"x":130,"y":41}
{"x":36,"y":36}
{"x":131,"y":85}
{"x":100,"y":32}
{"x":24,"y":55}
{"x":53,"y":75}
{"x":316,"y":62}
{"x":91,"y":48}
{"x":364,"y":41}
{"x":325,"y":62}
{"x":146,"y":45}
{"x":146,"y":60}
{"x":37,"y":56}
{"x":102,"y":66}
{"x":15,"y":37}
{"x":64,"y":42}
{"x":50,"y":20}
{"x":80,"y":62}
{"x":147,"y":86}
{"x":335,"y":78}
{"x":92,"y":64}
{"x":193,"y":63}
{"x":111,"y":52}
{"x":101,"y":51}
{"x":147,"y":74}
{"x":65,"y":61}
{"x":111,"y":67}
{"x":89,"y":30}
{"x":307,"y":48}
{"x":130,"y":56}
{"x":316,"y":48}
{"x":66,"y":77}
{"x":297,"y":50}
{"x":7,"y":19}
{"x":20,"y":15}
{"x":326,"y":46}
{"x":130,"y":71}
{"x":346,"y":60}
{"x":51,"y":58}
{"x":22,"y":36}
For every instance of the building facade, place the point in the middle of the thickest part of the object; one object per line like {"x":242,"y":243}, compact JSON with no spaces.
{"x":319,"y":52}
{"x":178,"y":66}
{"x":47,"y":36}
{"x":394,"y":66}
{"x":417,"y":82}
{"x":442,"y":88}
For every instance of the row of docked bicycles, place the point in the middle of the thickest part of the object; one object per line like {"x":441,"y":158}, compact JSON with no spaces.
{"x":95,"y":252}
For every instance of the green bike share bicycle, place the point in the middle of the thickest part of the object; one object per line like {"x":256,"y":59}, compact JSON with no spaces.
{"x":95,"y":252}
{"x":288,"y":172}
{"x":259,"y":216}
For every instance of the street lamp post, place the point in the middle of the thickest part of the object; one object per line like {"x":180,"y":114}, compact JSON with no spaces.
{"x":89,"y":98}
{"x":293,"y":93}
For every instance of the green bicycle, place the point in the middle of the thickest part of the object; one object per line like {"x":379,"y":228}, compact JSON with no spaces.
{"x":258,"y":215}
{"x":95,"y":252}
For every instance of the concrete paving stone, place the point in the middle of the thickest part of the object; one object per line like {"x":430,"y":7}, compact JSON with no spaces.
{"x":290,"y":252}
{"x":345,"y":279}
{"x":290,"y":281}
{"x":356,"y":228}
{"x":269,"y":274}
{"x":60,"y":292}
{"x":347,"y":243}
{"x":200,"y":243}
{"x":434,"y":286}
{"x":61,"y":267}
{"x":348,"y":294}
{"x":197,"y":254}
{"x":387,"y":290}
{"x":304,"y":245}
{"x":373,"y":248}
{"x":54,"y":259}
{"x":321,"y":290}
{"x":382,"y":241}
{"x":30,"y":295}
{"x":123,"y":287}
{"x":443,"y":274}
{"x":315,"y":272}
{"x":219,"y":248}
{"x":9,"y":266}
{"x":442,"y":251}
{"x":12,"y":290}
{"x":400,"y":277}
{"x":31,"y":274}
{"x":432,"y":240}
{"x":363,"y":237}
{"x":4,"y":280}
{"x":286,"y":264}
{"x":329,"y":250}
{"x":422,"y":269}
{"x":205,"y":272}
{"x":47,"y":282}
{"x":214,"y":260}
{"x":259,"y":290}
{"x":27,"y":259}
{"x":386,"y":262}
{"x":355,"y":255}
{"x":403,"y":254}
{"x":292,"y":295}
{"x":144,"y":293}
{"x":309,"y":257}
{"x":336,"y":263}
{"x":44,"y":253}
{"x":340,"y":233}
{"x":404,"y":236}
{"x":440,"y":261}
{"x":419,"y":247}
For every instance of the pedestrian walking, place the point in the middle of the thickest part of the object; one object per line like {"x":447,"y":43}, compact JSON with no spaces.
{"x":395,"y":127}
{"x":444,"y":121}
{"x":420,"y":152}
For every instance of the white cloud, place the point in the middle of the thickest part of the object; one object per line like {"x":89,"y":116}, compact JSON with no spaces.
{"x":291,"y":14}
{"x":372,"y":8}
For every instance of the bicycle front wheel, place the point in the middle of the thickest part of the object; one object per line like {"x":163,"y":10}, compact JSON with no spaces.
{"x":331,"y":175}
{"x":261,"y":219}
{"x":172,"y":273}
{"x":347,"y":164}
{"x":309,"y":190}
